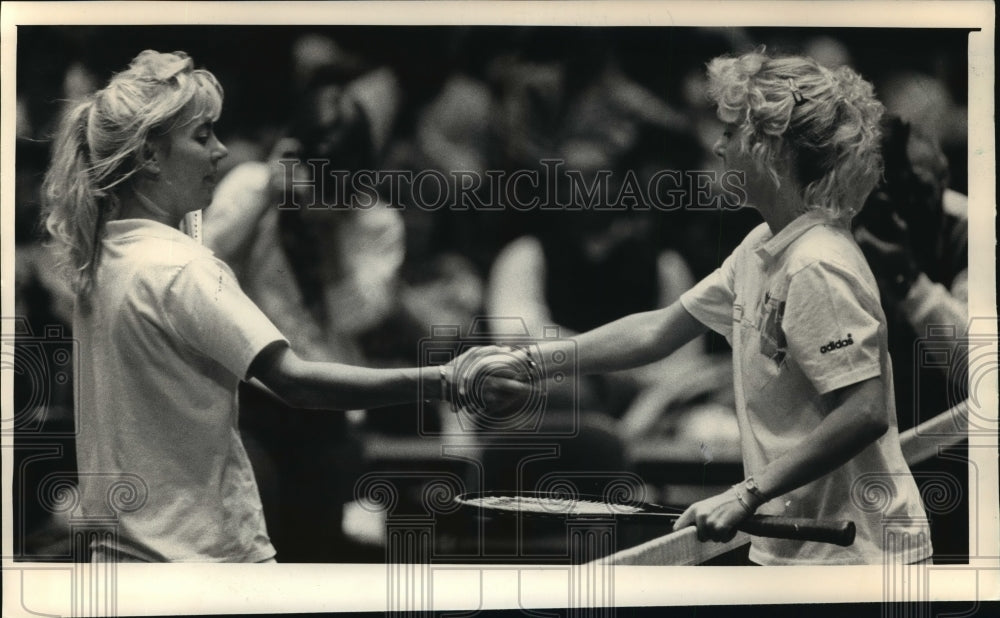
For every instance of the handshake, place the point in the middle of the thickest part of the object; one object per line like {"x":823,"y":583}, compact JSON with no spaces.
{"x":501,"y":381}
{"x":492,"y":383}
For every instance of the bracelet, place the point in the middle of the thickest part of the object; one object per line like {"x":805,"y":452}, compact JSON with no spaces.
{"x":527,"y":353}
{"x":443,"y":372}
{"x":532,"y":365}
{"x":739,"y":498}
{"x":751,"y":485}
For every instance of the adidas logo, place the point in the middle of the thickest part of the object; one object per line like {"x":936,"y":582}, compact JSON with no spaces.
{"x":836,"y":345}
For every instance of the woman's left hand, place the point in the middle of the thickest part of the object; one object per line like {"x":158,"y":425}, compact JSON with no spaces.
{"x":717,"y":517}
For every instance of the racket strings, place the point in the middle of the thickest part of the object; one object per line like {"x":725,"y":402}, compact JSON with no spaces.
{"x":556,"y":505}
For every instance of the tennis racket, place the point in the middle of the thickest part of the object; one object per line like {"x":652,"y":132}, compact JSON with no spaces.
{"x":549,"y":505}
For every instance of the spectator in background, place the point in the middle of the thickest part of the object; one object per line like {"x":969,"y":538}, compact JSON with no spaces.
{"x":926,"y":101}
{"x":579,"y":264}
{"x":587,"y":267}
{"x":325,"y":272}
{"x":450,"y":134}
{"x":574,"y":265}
{"x":918,"y":252}
{"x":551,"y":102}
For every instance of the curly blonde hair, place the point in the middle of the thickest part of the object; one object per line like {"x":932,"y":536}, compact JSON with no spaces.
{"x":98,"y":147}
{"x":827,"y":120}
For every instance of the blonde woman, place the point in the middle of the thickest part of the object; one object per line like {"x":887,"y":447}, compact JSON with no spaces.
{"x":165,"y":334}
{"x":800,"y":307}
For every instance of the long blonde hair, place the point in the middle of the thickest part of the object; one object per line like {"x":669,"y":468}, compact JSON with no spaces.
{"x":828,"y":120}
{"x":98,"y":149}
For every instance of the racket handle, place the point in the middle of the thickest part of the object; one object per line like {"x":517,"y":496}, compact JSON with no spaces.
{"x":801,"y":529}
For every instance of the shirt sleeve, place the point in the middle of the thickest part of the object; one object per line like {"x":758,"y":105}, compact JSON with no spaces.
{"x":832,"y":336}
{"x":711,"y":300}
{"x":207,"y":309}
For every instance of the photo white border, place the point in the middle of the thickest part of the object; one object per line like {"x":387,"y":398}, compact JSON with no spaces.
{"x":181,"y":589}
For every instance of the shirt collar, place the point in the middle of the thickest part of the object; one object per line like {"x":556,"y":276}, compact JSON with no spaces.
{"x":125,"y":228}
{"x":799,"y":226}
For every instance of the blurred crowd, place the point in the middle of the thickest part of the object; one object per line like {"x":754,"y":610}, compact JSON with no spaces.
{"x":363,"y":277}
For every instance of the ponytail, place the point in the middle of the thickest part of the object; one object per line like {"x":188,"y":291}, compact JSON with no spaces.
{"x":74,"y":209}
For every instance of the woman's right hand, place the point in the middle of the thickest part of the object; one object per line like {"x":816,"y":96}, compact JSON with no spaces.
{"x":494,"y":381}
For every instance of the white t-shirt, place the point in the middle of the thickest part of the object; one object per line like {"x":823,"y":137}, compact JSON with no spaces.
{"x":163,"y":348}
{"x":801,"y":310}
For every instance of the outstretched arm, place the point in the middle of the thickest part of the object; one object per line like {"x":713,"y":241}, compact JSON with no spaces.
{"x":632,"y":341}
{"x":334,"y":386}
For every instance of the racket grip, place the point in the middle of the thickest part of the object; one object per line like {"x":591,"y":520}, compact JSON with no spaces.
{"x":801,"y":529}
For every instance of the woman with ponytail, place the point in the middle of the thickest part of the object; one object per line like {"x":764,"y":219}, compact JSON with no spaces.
{"x":165,"y":334}
{"x":100,"y":147}
{"x":800,"y":307}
